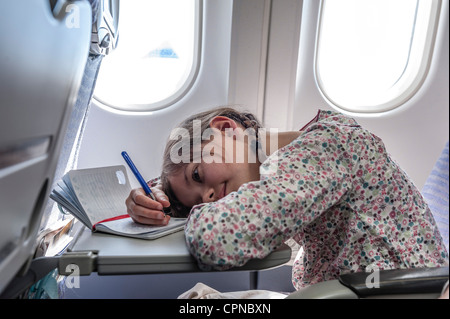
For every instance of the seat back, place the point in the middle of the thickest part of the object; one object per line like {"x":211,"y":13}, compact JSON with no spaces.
{"x":435,"y":191}
{"x":44,"y":46}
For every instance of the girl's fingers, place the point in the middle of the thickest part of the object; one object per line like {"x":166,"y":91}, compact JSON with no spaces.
{"x":147,"y":218}
{"x":140,"y":198}
{"x":161,"y":197}
{"x":142,"y":209}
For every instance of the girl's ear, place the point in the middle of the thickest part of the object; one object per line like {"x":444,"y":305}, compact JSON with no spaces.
{"x":222,"y":122}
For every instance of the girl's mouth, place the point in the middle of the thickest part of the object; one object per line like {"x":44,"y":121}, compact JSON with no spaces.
{"x":223,"y":192}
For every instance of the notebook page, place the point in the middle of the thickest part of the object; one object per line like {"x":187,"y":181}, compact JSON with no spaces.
{"x":101,"y":191}
{"x":128,"y":226}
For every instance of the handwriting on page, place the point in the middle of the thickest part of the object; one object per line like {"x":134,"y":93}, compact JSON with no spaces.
{"x":102,"y":193}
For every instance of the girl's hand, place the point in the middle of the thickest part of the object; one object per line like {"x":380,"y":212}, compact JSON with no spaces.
{"x":145,"y":210}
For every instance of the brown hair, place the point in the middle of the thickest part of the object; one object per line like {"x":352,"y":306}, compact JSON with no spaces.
{"x":247,"y":120}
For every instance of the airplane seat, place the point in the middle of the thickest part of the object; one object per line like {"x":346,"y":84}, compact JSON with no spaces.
{"x":44,"y":48}
{"x":436,"y":193}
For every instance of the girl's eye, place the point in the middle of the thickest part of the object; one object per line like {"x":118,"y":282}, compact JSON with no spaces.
{"x":196,"y":175}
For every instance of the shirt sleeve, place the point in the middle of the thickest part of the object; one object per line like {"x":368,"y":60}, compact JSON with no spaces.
{"x":154,"y":182}
{"x":298,"y":183}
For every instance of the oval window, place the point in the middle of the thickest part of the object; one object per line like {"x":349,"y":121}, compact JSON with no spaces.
{"x":156,"y":58}
{"x":373,"y":55}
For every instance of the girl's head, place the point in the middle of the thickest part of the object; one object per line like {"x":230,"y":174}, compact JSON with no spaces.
{"x":201,"y":163}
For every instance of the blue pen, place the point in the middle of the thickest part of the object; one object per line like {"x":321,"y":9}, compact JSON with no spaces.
{"x":138,"y":175}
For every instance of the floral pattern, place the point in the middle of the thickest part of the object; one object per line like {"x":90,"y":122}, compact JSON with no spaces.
{"x":337,"y":192}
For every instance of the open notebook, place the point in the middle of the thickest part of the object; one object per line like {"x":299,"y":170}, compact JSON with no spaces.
{"x":96,"y":197}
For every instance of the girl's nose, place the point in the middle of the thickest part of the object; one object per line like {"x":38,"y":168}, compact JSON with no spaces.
{"x":208,"y":196}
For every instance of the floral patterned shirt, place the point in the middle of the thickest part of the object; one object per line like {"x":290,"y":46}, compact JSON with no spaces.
{"x":336,"y":191}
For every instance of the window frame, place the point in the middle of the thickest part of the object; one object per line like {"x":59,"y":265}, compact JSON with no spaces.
{"x":404,"y":88}
{"x":188,"y":83}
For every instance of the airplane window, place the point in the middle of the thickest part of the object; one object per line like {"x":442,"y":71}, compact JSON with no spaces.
{"x":373,"y":55}
{"x":156,"y":57}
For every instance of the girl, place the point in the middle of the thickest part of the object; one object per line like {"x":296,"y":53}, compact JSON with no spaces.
{"x":332,"y":187}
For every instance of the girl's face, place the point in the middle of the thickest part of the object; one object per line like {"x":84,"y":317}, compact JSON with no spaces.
{"x":209,"y":181}
{"x":198,"y":183}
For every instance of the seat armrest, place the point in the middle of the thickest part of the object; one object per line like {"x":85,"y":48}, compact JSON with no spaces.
{"x":331,"y":289}
{"x":396,"y":281}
